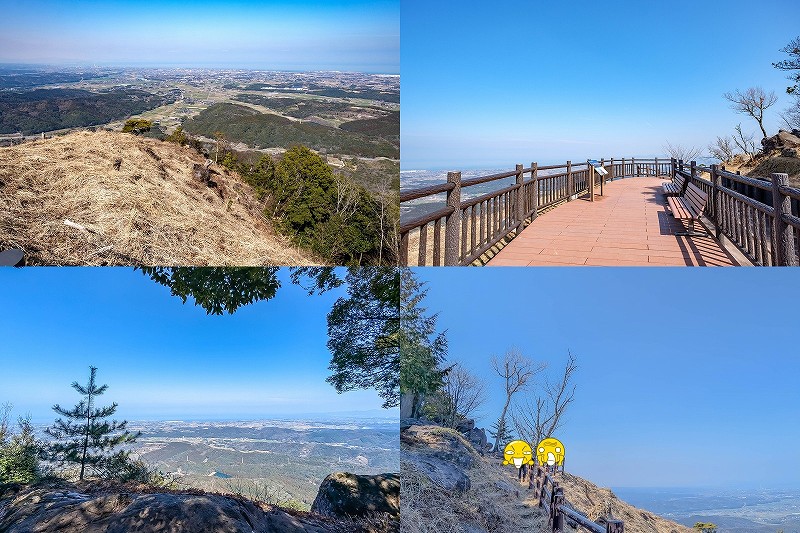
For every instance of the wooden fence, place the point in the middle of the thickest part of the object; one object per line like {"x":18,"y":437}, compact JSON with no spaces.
{"x":463,"y":230}
{"x":759,"y":215}
{"x":552,"y":500}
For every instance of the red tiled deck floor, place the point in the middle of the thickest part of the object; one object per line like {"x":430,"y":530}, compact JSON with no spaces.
{"x":628,"y":226}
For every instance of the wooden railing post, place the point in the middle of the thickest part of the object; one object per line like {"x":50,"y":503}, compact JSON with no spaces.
{"x":602,"y":178}
{"x":453,"y":221}
{"x":615,"y":526}
{"x":520,"y":203}
{"x":558,"y":517}
{"x":590,"y":180}
{"x":623,"y":167}
{"x":672,"y":167}
{"x":611,"y":174}
{"x":535,"y":189}
{"x":656,"y":168}
{"x":633,"y":167}
{"x":715,"y":193}
{"x":783,"y":234}
{"x":570,"y":181}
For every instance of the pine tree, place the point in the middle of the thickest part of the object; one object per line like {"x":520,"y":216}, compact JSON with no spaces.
{"x":86,"y":437}
{"x":500,"y":434}
{"x":422,"y":349}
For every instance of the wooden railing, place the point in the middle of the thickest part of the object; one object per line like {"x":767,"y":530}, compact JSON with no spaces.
{"x":757,"y":215}
{"x":552,"y":500}
{"x":462,"y":230}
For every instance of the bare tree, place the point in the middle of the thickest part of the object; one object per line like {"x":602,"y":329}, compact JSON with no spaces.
{"x":465,"y":393}
{"x":723,"y":148}
{"x":540,"y":419}
{"x":516,"y":371}
{"x":746,"y":143}
{"x":791,"y":116}
{"x":680,"y":153}
{"x":753,"y":102}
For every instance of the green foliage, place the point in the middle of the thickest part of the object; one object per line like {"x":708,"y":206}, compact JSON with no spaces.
{"x":19,"y":452}
{"x":791,"y":64}
{"x":86,"y":438}
{"x":39,"y":110}
{"x":705,"y":527}
{"x":364,"y":332}
{"x":178,"y":136}
{"x":244,"y":124}
{"x":363,"y":328}
{"x":137,"y":126}
{"x":422,"y":348}
{"x":336,"y":218}
{"x":120,"y":467}
{"x":218,"y":289}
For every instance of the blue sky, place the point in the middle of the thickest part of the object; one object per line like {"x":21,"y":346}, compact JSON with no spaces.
{"x":687,"y":377}
{"x":160,"y":358}
{"x":352,"y":35}
{"x":524,"y":81}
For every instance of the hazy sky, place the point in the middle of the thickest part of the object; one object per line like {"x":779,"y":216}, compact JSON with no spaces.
{"x":524,"y":81}
{"x":353,"y":35}
{"x":163,"y":359}
{"x":687,"y":377}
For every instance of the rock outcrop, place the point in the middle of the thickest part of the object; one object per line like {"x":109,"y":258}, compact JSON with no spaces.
{"x":342,"y":494}
{"x":114,"y":508}
{"x":787,"y":142}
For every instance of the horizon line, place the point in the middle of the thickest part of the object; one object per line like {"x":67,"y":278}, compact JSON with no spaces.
{"x":196,"y":66}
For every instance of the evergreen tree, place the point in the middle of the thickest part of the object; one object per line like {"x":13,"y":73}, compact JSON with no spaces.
{"x":19,"y":454}
{"x":86,"y":437}
{"x":500,"y":434}
{"x":363,"y":331}
{"x":422,"y":349}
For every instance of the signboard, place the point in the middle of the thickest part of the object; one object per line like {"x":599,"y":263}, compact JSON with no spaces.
{"x":598,"y":167}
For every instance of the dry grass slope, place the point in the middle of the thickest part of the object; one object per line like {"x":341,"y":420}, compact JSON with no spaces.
{"x":135,"y":202}
{"x":495,"y":501}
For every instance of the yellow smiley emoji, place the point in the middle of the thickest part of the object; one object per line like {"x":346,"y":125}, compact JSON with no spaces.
{"x":550,"y":452}
{"x":518,"y":453}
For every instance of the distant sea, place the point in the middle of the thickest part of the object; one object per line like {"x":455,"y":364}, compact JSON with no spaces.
{"x":414,"y":179}
{"x":732,"y":510}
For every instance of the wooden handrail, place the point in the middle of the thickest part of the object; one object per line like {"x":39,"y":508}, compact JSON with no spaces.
{"x":760,"y":216}
{"x":474,"y":226}
{"x":552,"y":499}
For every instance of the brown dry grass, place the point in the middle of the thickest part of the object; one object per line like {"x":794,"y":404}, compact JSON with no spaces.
{"x":495,"y":502}
{"x":150,"y":211}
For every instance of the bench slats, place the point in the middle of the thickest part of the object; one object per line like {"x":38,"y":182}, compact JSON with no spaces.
{"x":675,"y":187}
{"x":689,"y":206}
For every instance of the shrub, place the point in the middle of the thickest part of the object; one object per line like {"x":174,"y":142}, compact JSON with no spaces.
{"x":19,"y":455}
{"x":137,"y":126}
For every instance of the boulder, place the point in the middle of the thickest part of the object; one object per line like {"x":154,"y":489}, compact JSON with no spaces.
{"x":782,"y":140}
{"x":466,"y":425}
{"x":82,"y":508}
{"x":477,"y":437}
{"x":342,"y":494}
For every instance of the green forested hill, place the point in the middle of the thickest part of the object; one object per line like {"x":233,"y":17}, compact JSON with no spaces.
{"x":243,"y":124}
{"x":32,"y":112}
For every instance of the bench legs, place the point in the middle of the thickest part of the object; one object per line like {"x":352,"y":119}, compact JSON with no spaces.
{"x":692,"y":232}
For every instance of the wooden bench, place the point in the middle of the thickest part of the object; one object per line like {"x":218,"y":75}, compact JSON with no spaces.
{"x":676,"y":187}
{"x":689,"y":207}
